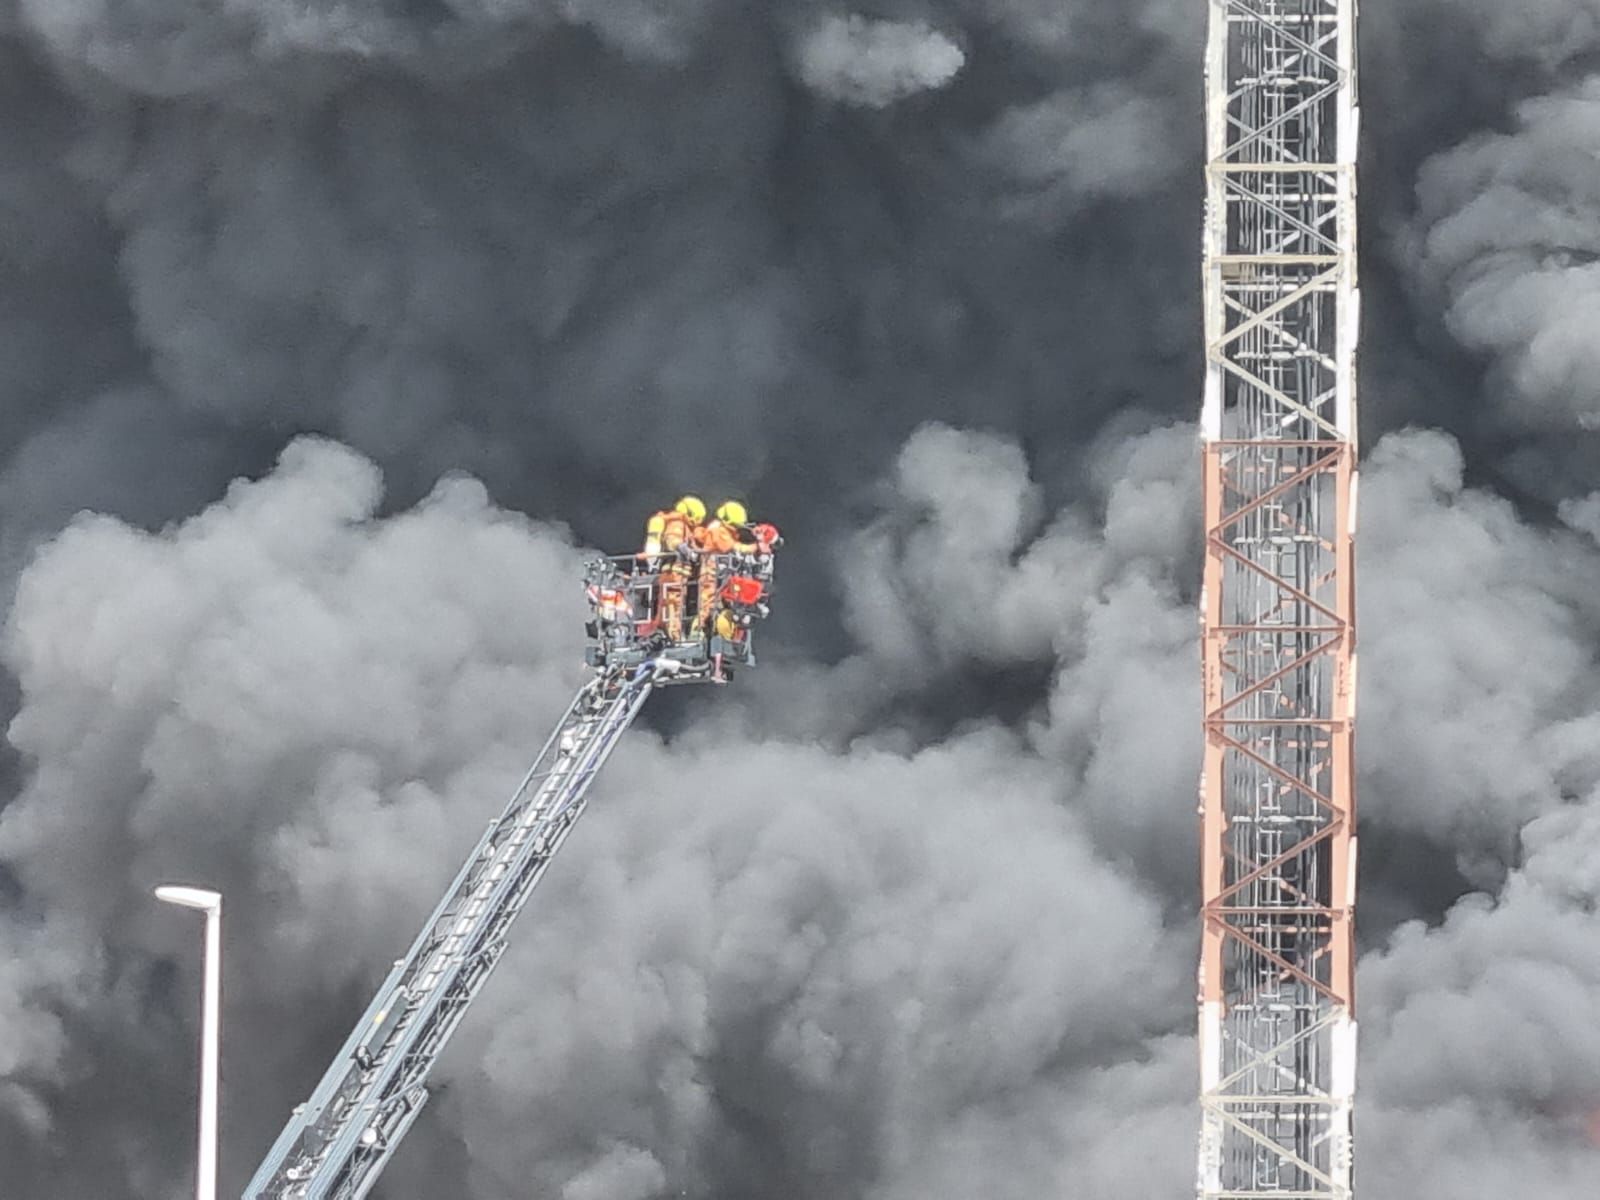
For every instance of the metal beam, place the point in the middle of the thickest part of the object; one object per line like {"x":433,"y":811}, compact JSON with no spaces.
{"x":1278,"y":427}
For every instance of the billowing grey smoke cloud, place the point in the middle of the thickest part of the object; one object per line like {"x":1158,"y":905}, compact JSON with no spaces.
{"x":966,"y":572}
{"x":1475,"y":624}
{"x":910,"y":911}
{"x":1480,"y":628}
{"x":1495,"y":235}
{"x":894,"y":947}
{"x":1512,"y":241}
{"x":1485,"y":1066}
{"x":497,"y":245}
{"x":1478,"y":716}
{"x":1546,"y":32}
{"x":247,"y":737}
{"x":743,"y":920}
{"x":1107,"y":140}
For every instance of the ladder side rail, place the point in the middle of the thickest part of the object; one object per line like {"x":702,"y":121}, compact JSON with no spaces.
{"x":337,"y":1079}
{"x":351,"y":1164}
{"x":484,"y":852}
{"x":345,"y":1069}
{"x":524,"y":813}
{"x":354,"y":1118}
{"x":491,"y":939}
{"x":406,"y":1093}
{"x":361,"y":1177}
{"x":585,"y":761}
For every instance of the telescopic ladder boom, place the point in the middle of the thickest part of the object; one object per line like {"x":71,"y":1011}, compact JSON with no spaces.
{"x":336,"y":1144}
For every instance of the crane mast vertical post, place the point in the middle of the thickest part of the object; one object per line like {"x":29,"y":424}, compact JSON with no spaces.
{"x":1277,"y":1030}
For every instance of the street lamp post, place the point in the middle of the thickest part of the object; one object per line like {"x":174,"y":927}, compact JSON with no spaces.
{"x":209,"y":903}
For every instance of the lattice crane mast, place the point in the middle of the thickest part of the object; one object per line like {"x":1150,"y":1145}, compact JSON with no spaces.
{"x":1277,"y":971}
{"x":336,"y":1144}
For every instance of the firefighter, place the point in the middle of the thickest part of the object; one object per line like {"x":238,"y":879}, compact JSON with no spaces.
{"x":670,"y":540}
{"x":718,"y":536}
{"x":729,"y":532}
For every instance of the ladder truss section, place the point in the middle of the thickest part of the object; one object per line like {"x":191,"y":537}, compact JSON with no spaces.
{"x":1277,"y":1027}
{"x":338,"y":1142}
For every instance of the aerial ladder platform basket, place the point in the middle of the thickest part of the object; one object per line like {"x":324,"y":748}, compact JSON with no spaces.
{"x":337,"y":1142}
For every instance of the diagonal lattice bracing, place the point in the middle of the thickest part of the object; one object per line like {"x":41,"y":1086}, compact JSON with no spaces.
{"x":1278,"y":423}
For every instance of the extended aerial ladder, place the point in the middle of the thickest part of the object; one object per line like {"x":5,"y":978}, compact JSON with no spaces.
{"x":336,"y":1144}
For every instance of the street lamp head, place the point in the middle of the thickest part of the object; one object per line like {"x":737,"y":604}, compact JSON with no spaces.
{"x":190,"y":897}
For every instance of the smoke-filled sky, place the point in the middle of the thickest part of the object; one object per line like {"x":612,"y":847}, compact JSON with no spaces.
{"x":334,"y":333}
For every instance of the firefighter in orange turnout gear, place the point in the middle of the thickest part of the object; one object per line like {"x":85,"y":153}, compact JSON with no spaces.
{"x":726,"y":533}
{"x":670,"y":540}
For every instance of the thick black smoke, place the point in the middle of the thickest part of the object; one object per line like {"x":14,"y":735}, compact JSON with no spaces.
{"x":459,"y":288}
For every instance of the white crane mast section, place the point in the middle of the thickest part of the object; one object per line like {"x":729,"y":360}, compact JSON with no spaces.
{"x":1278,"y":430}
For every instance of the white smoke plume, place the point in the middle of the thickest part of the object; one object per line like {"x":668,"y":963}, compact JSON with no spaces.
{"x":875,"y":63}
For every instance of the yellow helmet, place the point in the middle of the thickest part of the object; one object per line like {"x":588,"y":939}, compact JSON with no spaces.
{"x":732,"y":512}
{"x":692,"y":507}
